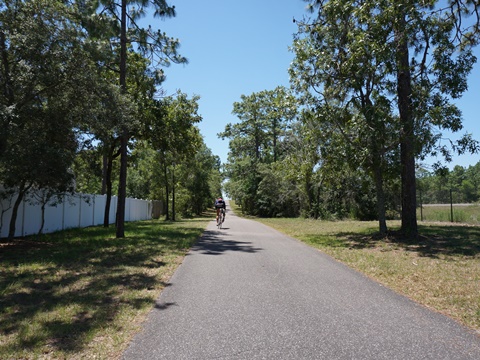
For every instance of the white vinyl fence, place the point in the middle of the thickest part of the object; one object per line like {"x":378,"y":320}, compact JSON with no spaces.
{"x":73,"y":211}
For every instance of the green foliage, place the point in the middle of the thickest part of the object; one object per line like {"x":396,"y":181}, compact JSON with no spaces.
{"x":255,"y":143}
{"x":88,"y":171}
{"x":46,"y":93}
{"x":141,"y":172}
{"x":356,"y":62}
{"x":50,"y":84}
{"x":459,"y":185}
{"x":173,"y":164}
{"x":276,"y":195}
{"x":63,"y":111}
{"x":201,"y":179}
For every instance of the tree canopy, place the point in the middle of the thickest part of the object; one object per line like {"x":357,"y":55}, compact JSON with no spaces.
{"x":383,"y":75}
{"x":80,"y":83}
{"x":373,"y":87}
{"x":375,"y":84}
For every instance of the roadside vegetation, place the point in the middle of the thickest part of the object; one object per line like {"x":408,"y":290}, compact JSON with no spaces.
{"x":464,"y":214}
{"x":82,"y":294}
{"x":77,"y":115}
{"x":440,"y":270}
{"x":343,"y":142}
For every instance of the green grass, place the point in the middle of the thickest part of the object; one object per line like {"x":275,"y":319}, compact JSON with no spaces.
{"x":468,"y":214}
{"x":82,"y":293}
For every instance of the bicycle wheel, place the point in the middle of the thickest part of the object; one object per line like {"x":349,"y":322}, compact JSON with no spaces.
{"x":219,"y":221}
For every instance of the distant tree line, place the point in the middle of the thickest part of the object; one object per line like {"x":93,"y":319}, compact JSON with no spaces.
{"x":459,"y":185}
{"x":82,"y":108}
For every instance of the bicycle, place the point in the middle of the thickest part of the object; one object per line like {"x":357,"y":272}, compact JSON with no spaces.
{"x":221,"y":218}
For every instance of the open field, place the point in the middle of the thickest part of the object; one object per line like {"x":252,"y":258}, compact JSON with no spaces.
{"x":462,"y":213}
{"x":81,"y":294}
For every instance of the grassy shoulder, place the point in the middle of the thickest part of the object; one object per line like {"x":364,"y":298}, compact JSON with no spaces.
{"x":440,"y":271}
{"x":83,"y":293}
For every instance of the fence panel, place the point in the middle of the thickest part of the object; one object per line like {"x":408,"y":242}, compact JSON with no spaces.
{"x":135,"y":209}
{"x":30,"y":218}
{"x":79,"y":210}
{"x":99,"y":209}
{"x":86,"y":210}
{"x":71,"y":213}
{"x":54,"y":218}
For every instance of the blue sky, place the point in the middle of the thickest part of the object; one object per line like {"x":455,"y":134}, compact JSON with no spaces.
{"x":236,"y":48}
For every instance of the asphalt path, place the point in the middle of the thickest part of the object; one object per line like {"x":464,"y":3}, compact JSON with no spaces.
{"x":249,"y":292}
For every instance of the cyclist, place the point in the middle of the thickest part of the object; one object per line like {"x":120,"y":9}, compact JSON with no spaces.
{"x":220,"y":204}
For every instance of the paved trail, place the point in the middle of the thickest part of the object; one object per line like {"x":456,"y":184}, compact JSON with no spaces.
{"x":249,"y":292}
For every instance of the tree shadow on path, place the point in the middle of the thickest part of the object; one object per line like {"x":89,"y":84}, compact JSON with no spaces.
{"x":213,"y":243}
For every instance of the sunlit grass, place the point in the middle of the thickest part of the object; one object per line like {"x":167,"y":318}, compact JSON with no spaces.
{"x":466,"y":214}
{"x":83,"y":293}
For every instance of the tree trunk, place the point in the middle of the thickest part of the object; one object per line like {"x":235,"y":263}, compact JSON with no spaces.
{"x":42,"y":224}
{"x":382,"y":218}
{"x":173,"y":193}
{"x":108,"y":183}
{"x":13,"y":220}
{"x":377,"y":162}
{"x":122,"y":186}
{"x":167,"y":193}
{"x":310,"y":194}
{"x":104,"y":171}
{"x":407,"y":153}
{"x":45,"y":198}
{"x":274,"y":140}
